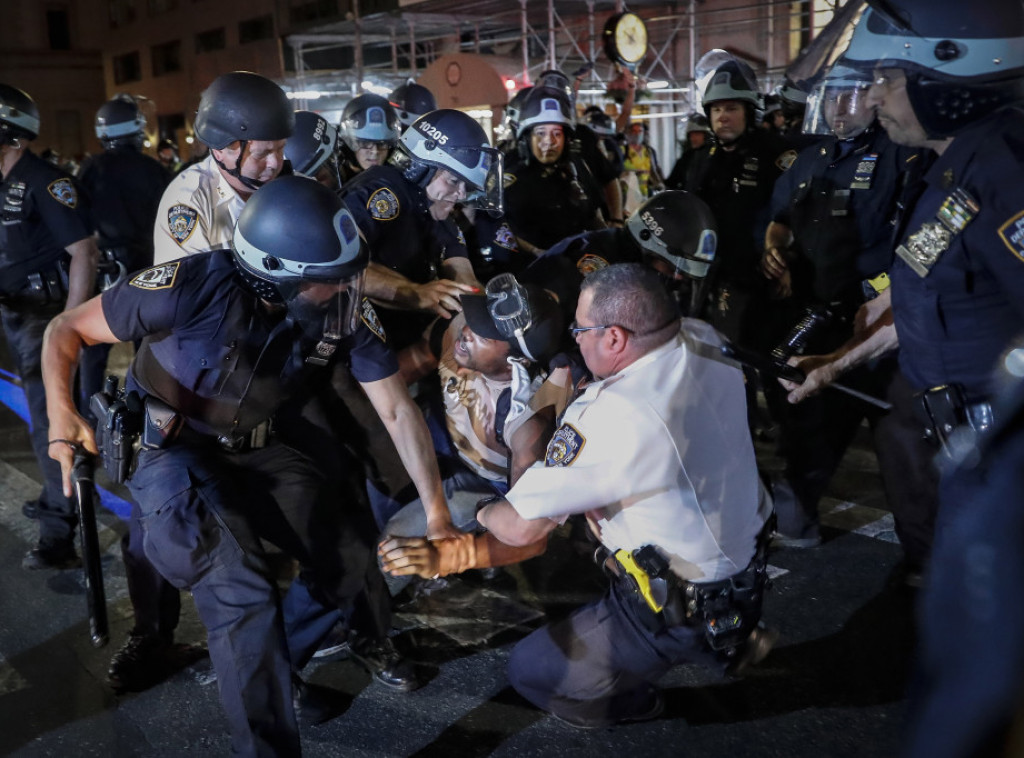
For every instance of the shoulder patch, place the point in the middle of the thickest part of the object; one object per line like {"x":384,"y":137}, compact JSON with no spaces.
{"x":383,"y":205}
{"x":460,"y":236}
{"x":509,"y":180}
{"x":564,"y":447}
{"x":64,"y":192}
{"x":372,"y":320}
{"x":157,"y":278}
{"x":181,"y":222}
{"x":590,"y":263}
{"x":784,"y":161}
{"x":1012,"y":234}
{"x":505,"y":238}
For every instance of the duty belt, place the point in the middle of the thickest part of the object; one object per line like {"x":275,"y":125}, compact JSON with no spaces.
{"x":257,"y":439}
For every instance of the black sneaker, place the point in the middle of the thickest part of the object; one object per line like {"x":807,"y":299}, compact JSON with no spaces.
{"x":382,"y":659}
{"x":146,"y":659}
{"x":315,"y":705}
{"x":57,"y":557}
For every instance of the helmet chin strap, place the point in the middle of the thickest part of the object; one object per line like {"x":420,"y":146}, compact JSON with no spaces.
{"x":236,"y":172}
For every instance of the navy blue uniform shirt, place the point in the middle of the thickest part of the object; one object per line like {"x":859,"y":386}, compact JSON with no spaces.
{"x":214,"y":351}
{"x":43,"y":212}
{"x":968,"y":225}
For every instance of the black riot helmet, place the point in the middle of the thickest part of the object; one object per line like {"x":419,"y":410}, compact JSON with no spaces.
{"x":410,"y":101}
{"x":679,"y":228}
{"x":313,"y":145}
{"x":961,"y":63}
{"x":120,"y":121}
{"x":368,"y":118}
{"x":296,"y":243}
{"x":241,"y":107}
{"x":19,"y":116}
{"x":545,"y":105}
{"x":509,"y":126}
{"x":452,"y":140}
{"x":555,"y":79}
{"x":599,"y":121}
{"x":733,"y":80}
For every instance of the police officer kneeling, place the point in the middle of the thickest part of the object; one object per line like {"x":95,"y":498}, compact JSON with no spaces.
{"x":657,"y":455}
{"x":230,"y":336}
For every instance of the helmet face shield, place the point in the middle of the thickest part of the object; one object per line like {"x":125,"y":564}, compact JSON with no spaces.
{"x":328,"y":309}
{"x":509,"y":306}
{"x":482,"y":169}
{"x":839,"y":105}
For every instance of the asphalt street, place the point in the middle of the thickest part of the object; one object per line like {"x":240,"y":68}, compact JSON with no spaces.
{"x":834,"y":685}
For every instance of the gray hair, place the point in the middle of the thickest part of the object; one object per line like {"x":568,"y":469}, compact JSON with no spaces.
{"x":633,"y":296}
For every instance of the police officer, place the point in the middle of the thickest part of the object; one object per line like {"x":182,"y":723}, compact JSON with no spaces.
{"x":829,"y":246}
{"x":244,"y":119}
{"x":549,"y":193}
{"x":47,"y":262}
{"x":403,"y":210}
{"x":696,"y":140}
{"x":167,"y":154}
{"x":369,"y":132}
{"x":736,"y":179}
{"x":225,"y":464}
{"x":312,"y":150}
{"x":952,"y":82}
{"x":410,"y":101}
{"x":684,"y":458}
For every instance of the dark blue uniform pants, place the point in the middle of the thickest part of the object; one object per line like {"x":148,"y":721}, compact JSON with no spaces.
{"x":204,"y":514}
{"x":596,"y":667}
{"x":24,"y":332}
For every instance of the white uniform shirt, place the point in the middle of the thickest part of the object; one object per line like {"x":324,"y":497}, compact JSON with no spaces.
{"x":197,"y":213}
{"x":659,"y":454}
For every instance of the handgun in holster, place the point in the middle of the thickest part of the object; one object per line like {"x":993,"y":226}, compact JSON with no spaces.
{"x":118,"y":417}
{"x":942,"y":410}
{"x":649,"y":574}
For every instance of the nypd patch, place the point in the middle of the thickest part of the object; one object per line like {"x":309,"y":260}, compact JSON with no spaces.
{"x":64,"y":192}
{"x":181,"y":222}
{"x":460,"y":236}
{"x":372,"y":320}
{"x":590,"y":263}
{"x":505,"y":238}
{"x":1012,"y":234}
{"x":156,"y":278}
{"x":564,"y":447}
{"x":383,"y":205}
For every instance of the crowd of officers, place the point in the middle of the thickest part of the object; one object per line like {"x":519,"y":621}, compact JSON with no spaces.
{"x":283,"y":291}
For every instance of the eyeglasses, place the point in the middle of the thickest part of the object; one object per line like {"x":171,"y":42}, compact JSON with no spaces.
{"x":574,"y":330}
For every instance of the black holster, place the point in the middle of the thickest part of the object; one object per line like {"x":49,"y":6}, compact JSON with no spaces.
{"x":118,"y":419}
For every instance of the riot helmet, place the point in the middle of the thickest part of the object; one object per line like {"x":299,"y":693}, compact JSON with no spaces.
{"x":120,"y":121}
{"x":678,"y":228}
{"x":839,"y":105}
{"x":452,"y":140}
{"x":242,"y":107}
{"x":555,"y":79}
{"x":19,"y":116}
{"x":525,"y":316}
{"x":368,"y":120}
{"x":733,"y":80}
{"x":410,"y":101}
{"x":960,"y":65}
{"x":296,"y":243}
{"x":508,"y":129}
{"x":545,"y":105}
{"x":313,"y":146}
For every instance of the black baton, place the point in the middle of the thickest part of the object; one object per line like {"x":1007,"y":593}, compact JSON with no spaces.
{"x":82,"y":471}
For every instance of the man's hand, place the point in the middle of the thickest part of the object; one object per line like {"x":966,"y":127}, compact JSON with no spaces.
{"x":441,"y":296}
{"x":440,"y":526}
{"x":819,"y":370}
{"x":409,"y":556}
{"x":774,"y":264}
{"x":68,"y":431}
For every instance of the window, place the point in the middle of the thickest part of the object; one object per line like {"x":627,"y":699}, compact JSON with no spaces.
{"x":253,"y":29}
{"x":166,"y":58}
{"x":312,"y":10}
{"x":127,"y":68}
{"x":211,"y":40}
{"x":57,"y":29}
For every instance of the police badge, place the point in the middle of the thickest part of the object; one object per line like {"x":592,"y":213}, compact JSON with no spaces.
{"x":565,"y":446}
{"x":383,"y":205}
{"x":924,"y":247}
{"x":181,"y":222}
{"x":63,"y":191}
{"x":590,"y":263}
